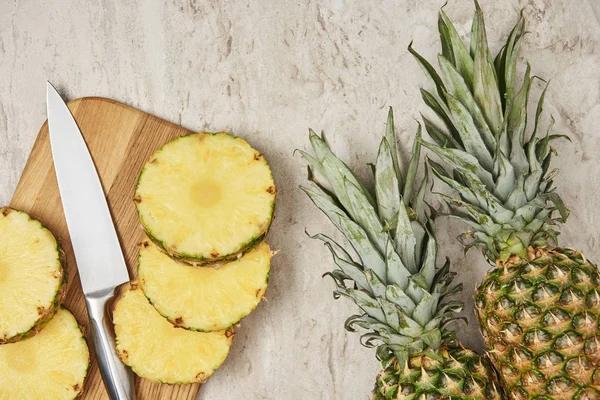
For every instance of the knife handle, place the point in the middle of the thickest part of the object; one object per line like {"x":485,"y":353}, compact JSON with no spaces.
{"x":117,"y":377}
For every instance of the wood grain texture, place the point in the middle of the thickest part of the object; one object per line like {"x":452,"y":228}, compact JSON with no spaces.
{"x":120,"y":139}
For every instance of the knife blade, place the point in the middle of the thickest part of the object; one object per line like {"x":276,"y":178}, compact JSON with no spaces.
{"x":94,"y":239}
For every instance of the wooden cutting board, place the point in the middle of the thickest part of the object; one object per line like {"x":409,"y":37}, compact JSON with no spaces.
{"x":120,"y":139}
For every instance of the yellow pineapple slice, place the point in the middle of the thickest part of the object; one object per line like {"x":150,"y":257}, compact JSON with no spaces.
{"x":210,"y":298}
{"x":50,"y":365}
{"x":206,"y":197}
{"x":158,"y":351}
{"x":32,"y":279}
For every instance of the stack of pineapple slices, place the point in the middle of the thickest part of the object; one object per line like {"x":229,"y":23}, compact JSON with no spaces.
{"x":43,"y":354}
{"x":206,"y":202}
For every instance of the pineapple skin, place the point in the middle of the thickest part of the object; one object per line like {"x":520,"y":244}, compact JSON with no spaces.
{"x":202,"y":261}
{"x":212,"y":259}
{"x":453,"y":373}
{"x":48,"y":313}
{"x":539,"y":319}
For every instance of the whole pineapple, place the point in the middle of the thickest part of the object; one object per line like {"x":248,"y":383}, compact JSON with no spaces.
{"x":538,"y":307}
{"x":392,"y":277}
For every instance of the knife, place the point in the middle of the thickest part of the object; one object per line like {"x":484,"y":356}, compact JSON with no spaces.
{"x":95,"y":243}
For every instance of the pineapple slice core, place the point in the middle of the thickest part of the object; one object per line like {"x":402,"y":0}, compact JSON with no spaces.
{"x":157,"y":350}
{"x":206,"y":193}
{"x":50,"y":365}
{"x":210,"y":298}
{"x":31,"y":274}
{"x":206,"y":197}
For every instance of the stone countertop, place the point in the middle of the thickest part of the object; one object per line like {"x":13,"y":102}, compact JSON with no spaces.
{"x":266,"y":71}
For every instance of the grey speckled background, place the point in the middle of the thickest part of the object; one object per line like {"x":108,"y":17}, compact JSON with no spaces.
{"x":267,"y":70}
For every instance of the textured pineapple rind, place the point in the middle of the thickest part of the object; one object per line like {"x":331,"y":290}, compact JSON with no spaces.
{"x":514,"y":327}
{"x":179,"y":325}
{"x":59,"y":294}
{"x":200,"y":260}
{"x":452,"y":373}
{"x":230,"y":333}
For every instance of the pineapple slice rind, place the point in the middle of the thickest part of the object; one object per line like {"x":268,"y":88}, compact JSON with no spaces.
{"x":209,"y":298}
{"x":158,"y":351}
{"x":32,"y":277}
{"x":50,"y":365}
{"x":206,"y":197}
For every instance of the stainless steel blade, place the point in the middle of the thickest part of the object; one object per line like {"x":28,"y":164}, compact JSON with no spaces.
{"x":95,"y":244}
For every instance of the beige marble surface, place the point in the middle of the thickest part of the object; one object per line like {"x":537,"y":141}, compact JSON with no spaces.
{"x":267,"y":70}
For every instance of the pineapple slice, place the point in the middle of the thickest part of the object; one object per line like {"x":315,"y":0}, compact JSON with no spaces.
{"x":204,"y":298}
{"x":157,"y":350}
{"x":32,"y":279}
{"x":206,"y":197}
{"x":51,"y":365}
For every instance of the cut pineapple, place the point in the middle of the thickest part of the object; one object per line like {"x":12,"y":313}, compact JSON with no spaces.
{"x":206,"y":197}
{"x":160,"y":352}
{"x":204,"y":298}
{"x":51,"y":365}
{"x":32,"y":280}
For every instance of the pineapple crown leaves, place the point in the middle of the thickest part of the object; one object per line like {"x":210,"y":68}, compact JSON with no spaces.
{"x":389,"y":269}
{"x":501,"y":173}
